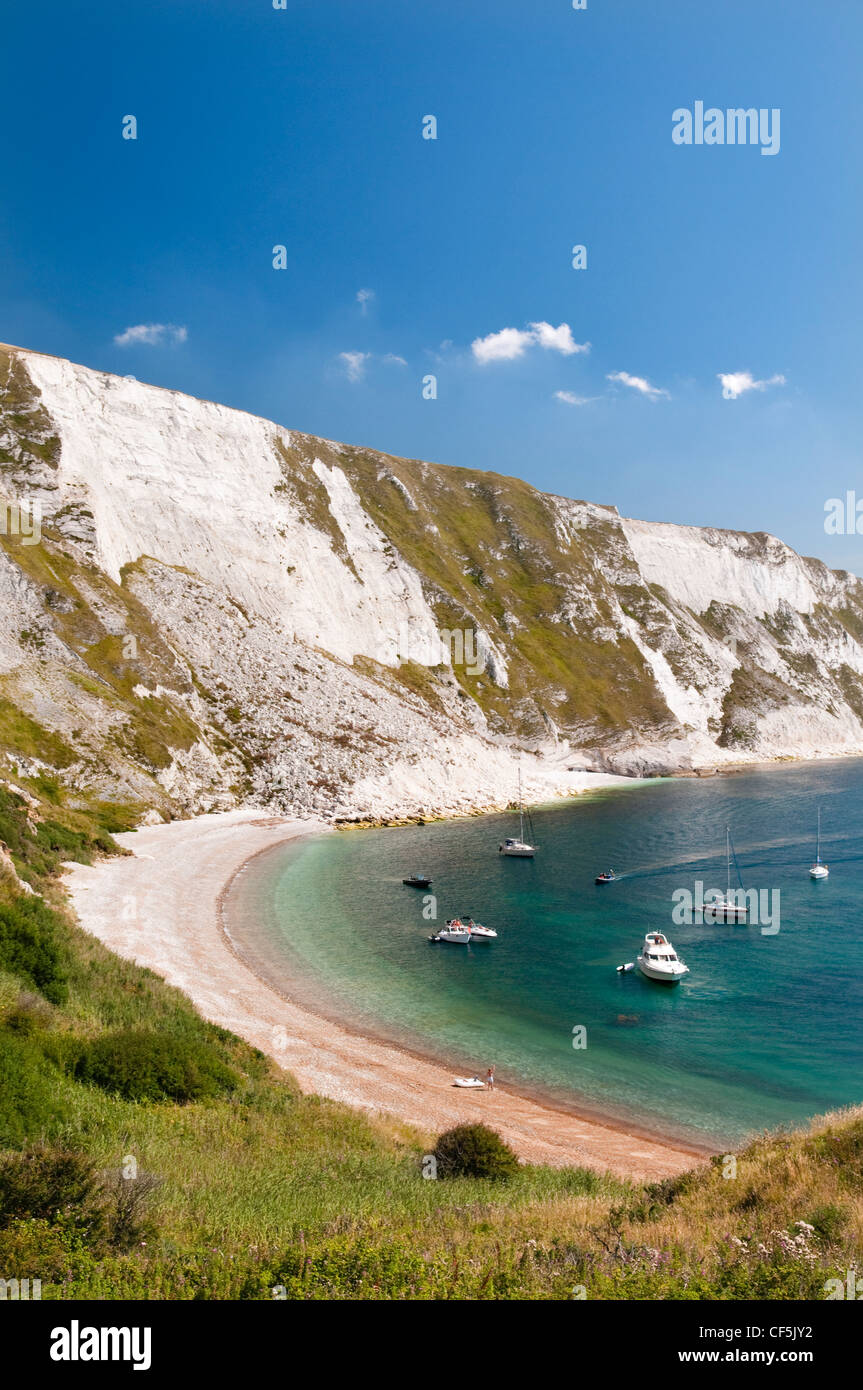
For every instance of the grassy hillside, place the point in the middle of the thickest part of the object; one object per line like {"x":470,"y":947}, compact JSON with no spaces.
{"x":146,"y":1153}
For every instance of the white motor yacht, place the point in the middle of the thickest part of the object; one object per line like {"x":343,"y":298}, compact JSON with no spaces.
{"x":660,"y":961}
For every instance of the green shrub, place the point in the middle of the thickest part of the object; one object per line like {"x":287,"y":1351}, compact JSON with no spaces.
{"x":142,"y":1066}
{"x":28,"y":1014}
{"x":29,"y":947}
{"x":347,"y":1268}
{"x":761,"y":1281}
{"x":126,"y":1200}
{"x":38,"y":850}
{"x":62,"y":843}
{"x":843,"y":1151}
{"x":474,"y":1151}
{"x":30,"y":1103}
{"x":829,"y":1222}
{"x":44,"y":1183}
{"x":62,"y":1188}
{"x":47,"y":1250}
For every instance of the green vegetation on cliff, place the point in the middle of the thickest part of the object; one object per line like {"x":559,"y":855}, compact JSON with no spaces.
{"x":502,"y":561}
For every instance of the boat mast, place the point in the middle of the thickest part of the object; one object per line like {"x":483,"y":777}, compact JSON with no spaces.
{"x":520,"y":808}
{"x":818,"y":846}
{"x":728,"y":863}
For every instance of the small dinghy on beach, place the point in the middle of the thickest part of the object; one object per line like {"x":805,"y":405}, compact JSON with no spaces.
{"x":469,"y":1083}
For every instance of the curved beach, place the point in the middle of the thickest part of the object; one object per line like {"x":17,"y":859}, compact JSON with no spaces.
{"x":160,"y":906}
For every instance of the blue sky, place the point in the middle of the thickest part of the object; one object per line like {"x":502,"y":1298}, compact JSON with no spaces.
{"x":303,"y":127}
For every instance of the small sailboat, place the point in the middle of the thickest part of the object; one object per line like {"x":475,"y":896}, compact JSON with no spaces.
{"x":818,"y":869}
{"x":726,"y":907}
{"x":660,"y":961}
{"x":518,"y":848}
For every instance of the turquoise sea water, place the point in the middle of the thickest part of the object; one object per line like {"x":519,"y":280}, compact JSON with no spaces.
{"x":766,"y":1030}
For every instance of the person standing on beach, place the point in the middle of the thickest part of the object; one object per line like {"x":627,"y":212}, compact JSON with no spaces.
{"x":489,"y":1077}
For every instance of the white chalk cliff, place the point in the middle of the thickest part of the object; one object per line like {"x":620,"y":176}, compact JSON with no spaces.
{"x":222,"y":610}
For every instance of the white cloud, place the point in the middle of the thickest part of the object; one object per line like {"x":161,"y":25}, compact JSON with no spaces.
{"x":355,"y":364}
{"x":510,"y":343}
{"x":152,"y":334}
{"x":735,"y":384}
{"x":504,"y":346}
{"x":558,"y":339}
{"x":364,"y":298}
{"x":638,"y":383}
{"x":570,"y":398}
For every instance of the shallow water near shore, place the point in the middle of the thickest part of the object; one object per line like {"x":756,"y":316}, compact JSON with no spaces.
{"x":765,"y":1031}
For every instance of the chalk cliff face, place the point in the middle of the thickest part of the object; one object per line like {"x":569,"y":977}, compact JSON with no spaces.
{"x":222,"y":610}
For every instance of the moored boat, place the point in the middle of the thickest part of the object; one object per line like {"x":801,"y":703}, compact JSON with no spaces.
{"x":516,"y":847}
{"x":818,"y":869}
{"x":659,"y":960}
{"x":725,"y":908}
{"x":728,"y":906}
{"x":477,"y":931}
{"x":460,"y":932}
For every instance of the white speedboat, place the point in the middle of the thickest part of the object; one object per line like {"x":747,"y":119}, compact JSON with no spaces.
{"x":516,"y":847}
{"x":462,"y":933}
{"x":477,"y":931}
{"x":727,"y":906}
{"x":454,"y":933}
{"x":818,"y":869}
{"x":660,"y":961}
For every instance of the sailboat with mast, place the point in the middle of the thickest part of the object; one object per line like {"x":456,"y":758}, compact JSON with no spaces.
{"x":818,"y":869}
{"x":728,"y":907}
{"x":518,"y":848}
